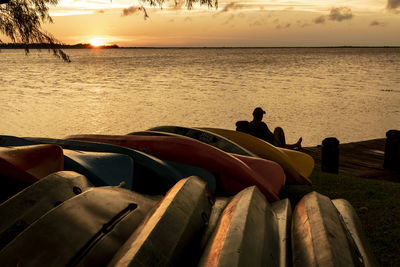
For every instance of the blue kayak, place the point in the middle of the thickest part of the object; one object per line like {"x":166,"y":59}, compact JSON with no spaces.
{"x":101,"y":168}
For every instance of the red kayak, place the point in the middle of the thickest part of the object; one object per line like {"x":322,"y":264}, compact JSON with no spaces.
{"x":235,"y":175}
{"x":31,"y":163}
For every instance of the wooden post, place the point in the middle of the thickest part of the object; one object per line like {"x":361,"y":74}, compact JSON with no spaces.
{"x":392,"y":150}
{"x":330,"y":155}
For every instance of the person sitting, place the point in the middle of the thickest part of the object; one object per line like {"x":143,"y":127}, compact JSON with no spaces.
{"x":260,"y":129}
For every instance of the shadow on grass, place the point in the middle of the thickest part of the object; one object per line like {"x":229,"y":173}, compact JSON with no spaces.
{"x":377,"y":204}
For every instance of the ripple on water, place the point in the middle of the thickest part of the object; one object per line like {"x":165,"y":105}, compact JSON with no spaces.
{"x":348,"y":93}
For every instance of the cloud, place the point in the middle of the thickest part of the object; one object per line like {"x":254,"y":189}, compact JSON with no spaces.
{"x":133,"y":10}
{"x":377,"y":23}
{"x":319,"y":20}
{"x":340,"y":13}
{"x":336,"y":14}
{"x":302,"y":24}
{"x":287,"y":26}
{"x":393,"y":4}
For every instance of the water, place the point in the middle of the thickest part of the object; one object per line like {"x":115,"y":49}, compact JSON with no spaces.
{"x":350,"y":93}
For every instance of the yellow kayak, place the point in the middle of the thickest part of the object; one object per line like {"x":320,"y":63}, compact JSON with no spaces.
{"x":298,"y":166}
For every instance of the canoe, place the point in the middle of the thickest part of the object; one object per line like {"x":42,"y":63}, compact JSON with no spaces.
{"x":234,"y":174}
{"x":152,"y":175}
{"x":206,"y":137}
{"x":36,"y":160}
{"x":298,"y":166}
{"x":283,"y":213}
{"x":168,"y":235}
{"x":246,"y":234}
{"x":354,"y":227}
{"x":88,"y":228}
{"x":319,"y":237}
{"x":101,"y":168}
{"x":27,"y":206}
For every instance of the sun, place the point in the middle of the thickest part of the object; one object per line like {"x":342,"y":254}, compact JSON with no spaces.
{"x":97,"y":41}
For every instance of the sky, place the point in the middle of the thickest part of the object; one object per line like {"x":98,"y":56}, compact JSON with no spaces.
{"x":251,"y":23}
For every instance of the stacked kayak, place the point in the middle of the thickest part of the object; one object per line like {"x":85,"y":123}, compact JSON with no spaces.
{"x":298,"y":166}
{"x":23,"y":166}
{"x":150,"y":174}
{"x":165,"y":197}
{"x":234,"y":174}
{"x":77,"y":224}
{"x":205,"y":137}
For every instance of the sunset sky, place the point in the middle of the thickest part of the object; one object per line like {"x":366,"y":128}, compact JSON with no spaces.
{"x":234,"y":23}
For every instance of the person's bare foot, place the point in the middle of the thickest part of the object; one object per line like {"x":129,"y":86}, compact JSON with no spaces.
{"x":298,"y":143}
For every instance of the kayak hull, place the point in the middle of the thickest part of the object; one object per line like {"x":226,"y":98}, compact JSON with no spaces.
{"x":234,"y":174}
{"x":298,"y":166}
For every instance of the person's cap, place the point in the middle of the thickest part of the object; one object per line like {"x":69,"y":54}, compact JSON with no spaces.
{"x":258,"y":110}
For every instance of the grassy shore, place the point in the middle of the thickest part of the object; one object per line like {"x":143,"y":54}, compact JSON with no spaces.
{"x":377,"y":204}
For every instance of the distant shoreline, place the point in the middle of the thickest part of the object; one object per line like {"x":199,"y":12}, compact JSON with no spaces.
{"x":57,"y":46}
{"x":89,"y":46}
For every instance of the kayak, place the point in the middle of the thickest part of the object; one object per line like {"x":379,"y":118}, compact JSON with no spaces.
{"x":190,"y":170}
{"x":234,"y":174}
{"x":36,"y":160}
{"x":266,"y":168}
{"x":283,"y":213}
{"x":30,"y":204}
{"x":319,"y":237}
{"x":88,"y":228}
{"x":219,"y":205}
{"x":354,"y":227}
{"x":101,"y":168}
{"x":169,"y":236}
{"x":246,"y":234}
{"x":152,"y":175}
{"x":13,"y":180}
{"x":205,"y":137}
{"x":298,"y":166}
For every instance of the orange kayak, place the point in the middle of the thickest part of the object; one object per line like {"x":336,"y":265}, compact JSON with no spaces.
{"x":234,"y":174}
{"x":31,"y":163}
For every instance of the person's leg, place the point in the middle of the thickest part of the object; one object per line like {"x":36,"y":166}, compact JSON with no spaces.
{"x":281,"y":140}
{"x":279,"y":137}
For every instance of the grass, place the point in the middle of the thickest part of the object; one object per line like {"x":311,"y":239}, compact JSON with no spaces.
{"x":377,"y":204}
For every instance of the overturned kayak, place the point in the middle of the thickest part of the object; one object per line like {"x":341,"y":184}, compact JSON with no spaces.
{"x":101,"y":168}
{"x":152,"y":175}
{"x":283,"y":213}
{"x":170,"y":235}
{"x":353,"y":224}
{"x":30,"y":204}
{"x":23,"y":166}
{"x":88,"y":228}
{"x":234,"y":174}
{"x":298,"y":166}
{"x":205,"y":137}
{"x":246,"y":235}
{"x":319,"y":237}
{"x":36,"y":160}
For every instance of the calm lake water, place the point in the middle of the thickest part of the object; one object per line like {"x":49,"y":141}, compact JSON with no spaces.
{"x":350,"y":93}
